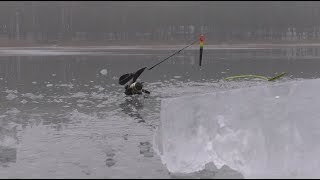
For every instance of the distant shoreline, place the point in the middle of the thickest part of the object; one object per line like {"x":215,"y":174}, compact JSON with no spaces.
{"x":155,"y":45}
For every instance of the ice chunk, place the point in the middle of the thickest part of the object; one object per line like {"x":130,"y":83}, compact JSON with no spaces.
{"x":269,"y":131}
{"x":11,"y":96}
{"x":32,"y":96}
{"x":24,"y":101}
{"x":104,"y":72}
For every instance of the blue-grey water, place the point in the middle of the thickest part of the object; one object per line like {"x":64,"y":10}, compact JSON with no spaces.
{"x":64,"y":115}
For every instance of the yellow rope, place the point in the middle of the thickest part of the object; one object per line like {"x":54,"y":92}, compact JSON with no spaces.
{"x":256,"y":76}
{"x":246,"y":76}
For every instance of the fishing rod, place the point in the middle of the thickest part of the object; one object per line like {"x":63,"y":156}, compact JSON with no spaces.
{"x":134,"y":87}
{"x":134,"y":76}
{"x":177,"y":52}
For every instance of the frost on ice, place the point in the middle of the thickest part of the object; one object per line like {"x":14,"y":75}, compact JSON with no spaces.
{"x":269,"y":131}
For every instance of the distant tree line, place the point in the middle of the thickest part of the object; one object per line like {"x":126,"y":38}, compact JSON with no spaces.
{"x":159,"y":21}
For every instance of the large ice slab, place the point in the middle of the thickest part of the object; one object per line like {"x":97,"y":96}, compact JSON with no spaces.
{"x":263,"y":132}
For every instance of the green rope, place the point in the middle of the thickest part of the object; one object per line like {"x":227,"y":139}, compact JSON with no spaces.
{"x":256,"y":76}
{"x":277,"y":77}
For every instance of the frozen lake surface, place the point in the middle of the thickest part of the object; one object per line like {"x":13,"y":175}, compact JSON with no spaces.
{"x":64,"y":115}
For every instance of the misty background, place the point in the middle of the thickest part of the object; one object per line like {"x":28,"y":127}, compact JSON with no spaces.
{"x":113,"y":22}
{"x":64,"y":115}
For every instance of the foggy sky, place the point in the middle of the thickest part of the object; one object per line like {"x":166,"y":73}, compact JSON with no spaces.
{"x":159,"y":21}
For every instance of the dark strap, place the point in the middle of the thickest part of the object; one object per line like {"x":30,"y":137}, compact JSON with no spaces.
{"x":146,"y":91}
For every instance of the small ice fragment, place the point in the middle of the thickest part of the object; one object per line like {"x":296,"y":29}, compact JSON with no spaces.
{"x":24,"y":101}
{"x":11,"y":96}
{"x":104,"y":72}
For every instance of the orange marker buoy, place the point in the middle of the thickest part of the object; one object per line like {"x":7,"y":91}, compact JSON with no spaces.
{"x":201,"y":48}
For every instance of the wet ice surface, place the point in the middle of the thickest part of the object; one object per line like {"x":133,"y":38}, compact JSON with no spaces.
{"x":65,"y":116}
